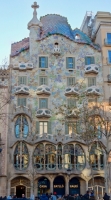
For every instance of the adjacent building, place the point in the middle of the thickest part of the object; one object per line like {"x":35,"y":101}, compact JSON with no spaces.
{"x":44,"y":152}
{"x":4,"y":105}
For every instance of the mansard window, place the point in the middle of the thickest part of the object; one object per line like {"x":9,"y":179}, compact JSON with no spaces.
{"x":39,"y":157}
{"x":70,"y":63}
{"x":43,"y":80}
{"x":43,"y":127}
{"x":21,"y":127}
{"x":22,"y":80}
{"x":43,"y":62}
{"x":43,"y":103}
{"x":91,"y":81}
{"x":21,"y":156}
{"x":96,"y":156}
{"x":70,"y":81}
{"x":50,"y":157}
{"x":89,"y":60}
{"x":21,"y":101}
{"x":74,"y":157}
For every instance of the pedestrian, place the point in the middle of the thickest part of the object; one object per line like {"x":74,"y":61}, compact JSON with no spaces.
{"x":43,"y":197}
{"x":86,"y":196}
{"x":106,"y":197}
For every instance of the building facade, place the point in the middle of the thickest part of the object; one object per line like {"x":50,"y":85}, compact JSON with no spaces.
{"x":4,"y":106}
{"x":44,"y":151}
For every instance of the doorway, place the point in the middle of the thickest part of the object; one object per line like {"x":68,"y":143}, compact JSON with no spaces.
{"x":43,"y":186}
{"x":74,"y":186}
{"x":20,"y":190}
{"x":59,"y":185}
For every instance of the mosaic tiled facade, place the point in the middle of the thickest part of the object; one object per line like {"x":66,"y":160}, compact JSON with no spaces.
{"x":40,"y":150}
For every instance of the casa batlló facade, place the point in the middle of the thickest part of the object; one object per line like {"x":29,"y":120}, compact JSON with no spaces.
{"x":45,"y":155}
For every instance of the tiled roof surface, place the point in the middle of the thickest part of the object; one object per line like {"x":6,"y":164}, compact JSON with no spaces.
{"x":54,"y":24}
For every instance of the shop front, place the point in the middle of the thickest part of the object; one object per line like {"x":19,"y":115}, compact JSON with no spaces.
{"x":74,"y":186}
{"x":43,"y":186}
{"x":59,"y":185}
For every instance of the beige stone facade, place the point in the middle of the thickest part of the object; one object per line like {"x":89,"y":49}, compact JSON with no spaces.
{"x":4,"y":105}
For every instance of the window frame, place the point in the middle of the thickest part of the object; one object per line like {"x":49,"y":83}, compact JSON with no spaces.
{"x":22,"y":80}
{"x":68,"y":80}
{"x":67,"y":64}
{"x":91,"y":85}
{"x":44,"y":77}
{"x":40,"y":105}
{"x":91,"y":57}
{"x":21,"y":98}
{"x":109,"y":60}
{"x":107,"y":38}
{"x":46,"y":62}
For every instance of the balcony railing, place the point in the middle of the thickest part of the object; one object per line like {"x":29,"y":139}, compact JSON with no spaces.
{"x":72,"y":91}
{"x":91,"y":69}
{"x":43,"y":89}
{"x":43,"y":113}
{"x":22,"y":89}
{"x":107,"y":42}
{"x":109,"y":78}
{"x":23,"y":66}
{"x":93,"y":90}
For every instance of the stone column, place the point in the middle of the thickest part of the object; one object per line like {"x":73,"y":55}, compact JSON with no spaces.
{"x":51,"y":184}
{"x":67,"y":184}
{"x":8,"y":188}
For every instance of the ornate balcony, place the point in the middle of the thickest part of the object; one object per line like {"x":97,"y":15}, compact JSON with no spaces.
{"x":91,"y":69}
{"x":56,"y":50}
{"x":73,"y":113}
{"x":43,"y":113}
{"x":93,"y":90}
{"x":109,"y":78}
{"x":22,"y":89}
{"x":23,"y":66}
{"x":43,"y":89}
{"x":72,"y":91}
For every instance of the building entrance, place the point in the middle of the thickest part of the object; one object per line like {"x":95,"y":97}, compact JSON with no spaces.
{"x":59,"y":185}
{"x":74,"y":186}
{"x":20,"y":190}
{"x":43,"y":185}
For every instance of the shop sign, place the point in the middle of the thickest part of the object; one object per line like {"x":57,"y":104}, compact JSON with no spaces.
{"x":42,"y":186}
{"x":73,"y":186}
{"x":58,"y":186}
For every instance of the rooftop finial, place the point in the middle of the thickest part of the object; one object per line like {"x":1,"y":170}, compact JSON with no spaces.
{"x":35,"y":6}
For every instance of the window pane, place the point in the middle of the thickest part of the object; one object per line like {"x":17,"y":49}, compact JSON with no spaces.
{"x":45,"y":127}
{"x":91,"y":81}
{"x":70,"y":81}
{"x":43,"y":62}
{"x":109,"y":56}
{"x":22,"y":80}
{"x":21,"y":101}
{"x":43,"y":80}
{"x":89,"y":60}
{"x":43,"y":103}
{"x":70,"y":62}
{"x":109,"y":38}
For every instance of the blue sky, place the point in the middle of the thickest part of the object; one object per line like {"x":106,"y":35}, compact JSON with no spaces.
{"x":15,"y":15}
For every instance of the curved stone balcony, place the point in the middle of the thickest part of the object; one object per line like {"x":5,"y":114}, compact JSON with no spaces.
{"x":23,"y":66}
{"x":56,"y":51}
{"x":72,"y":91}
{"x":91,"y":69}
{"x":22,"y":89}
{"x":73,"y":113}
{"x":43,"y":112}
{"x":93,"y":90}
{"x":43,"y":89}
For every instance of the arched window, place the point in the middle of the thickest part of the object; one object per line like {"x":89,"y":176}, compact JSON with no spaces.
{"x":96,"y":156}
{"x":21,"y":127}
{"x":50,"y":156}
{"x":59,"y":156}
{"x":21,"y":156}
{"x":39,"y":156}
{"x":74,"y":157}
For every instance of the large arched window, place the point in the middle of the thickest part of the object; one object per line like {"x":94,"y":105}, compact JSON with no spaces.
{"x":50,"y":157}
{"x":96,"y":156}
{"x":21,"y":156}
{"x":39,"y":156}
{"x":74,"y":157}
{"x":21,"y":127}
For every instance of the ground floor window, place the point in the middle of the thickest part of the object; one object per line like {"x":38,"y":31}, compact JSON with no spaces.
{"x":99,"y":186}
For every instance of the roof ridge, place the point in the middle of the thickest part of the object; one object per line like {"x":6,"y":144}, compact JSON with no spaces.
{"x":52,"y":14}
{"x":20,"y":41}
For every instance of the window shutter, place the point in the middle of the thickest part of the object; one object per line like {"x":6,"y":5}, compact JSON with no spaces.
{"x":40,"y":62}
{"x":66,"y":129}
{"x":46,"y":62}
{"x":67,"y":66}
{"x":37,"y":127}
{"x":92,"y":60}
{"x":49,"y":128}
{"x":85,"y":60}
{"x":73,"y":63}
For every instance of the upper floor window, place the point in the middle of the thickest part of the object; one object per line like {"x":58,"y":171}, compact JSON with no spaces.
{"x":109,"y":56}
{"x":91,"y":81}
{"x":43,"y":62}
{"x":70,"y":63}
{"x":89,"y":60}
{"x":43,"y":127}
{"x":70,"y":81}
{"x":21,"y":127}
{"x":77,"y":37}
{"x":70,"y":128}
{"x":43,"y":103}
{"x":22,"y":80}
{"x":43,"y":80}
{"x":21,"y":101}
{"x":21,"y":156}
{"x":109,"y":38}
